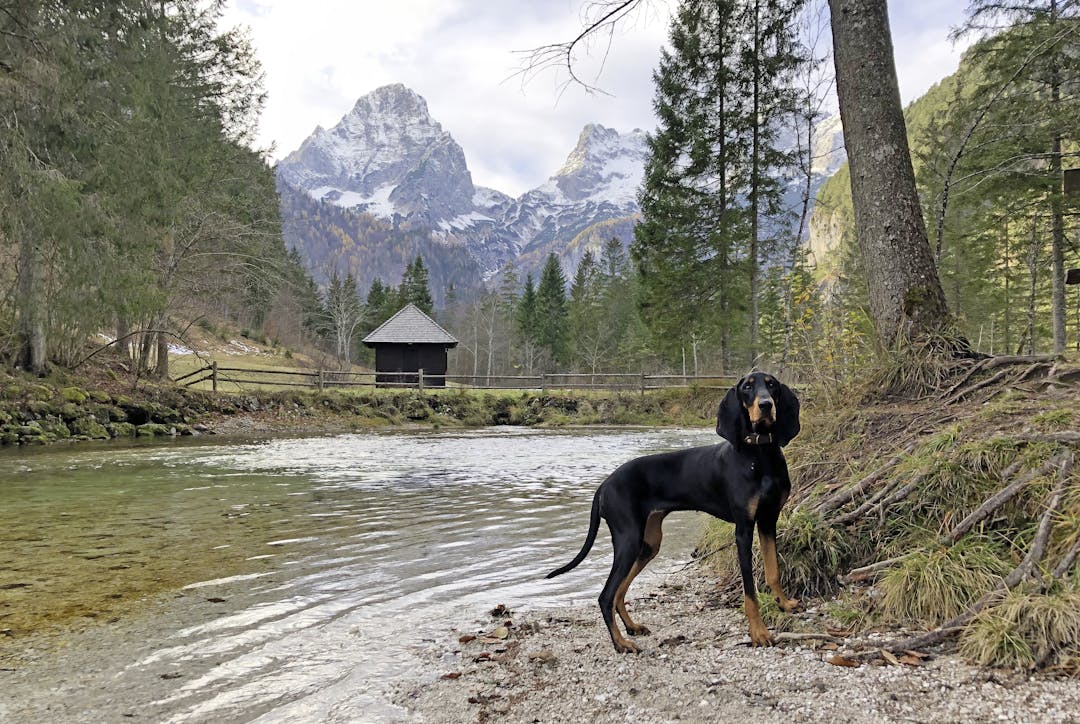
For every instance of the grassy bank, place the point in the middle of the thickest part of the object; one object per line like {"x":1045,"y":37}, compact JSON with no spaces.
{"x":41,"y":411}
{"x":958,"y":516}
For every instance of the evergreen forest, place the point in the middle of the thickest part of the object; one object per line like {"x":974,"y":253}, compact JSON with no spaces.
{"x":133,"y":206}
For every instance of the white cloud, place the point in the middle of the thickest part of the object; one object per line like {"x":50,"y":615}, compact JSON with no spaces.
{"x":319,"y":57}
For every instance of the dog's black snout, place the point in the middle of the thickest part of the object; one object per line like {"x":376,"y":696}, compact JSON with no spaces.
{"x":765,"y":405}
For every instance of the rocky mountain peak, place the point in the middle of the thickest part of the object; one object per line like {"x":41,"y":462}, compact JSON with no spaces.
{"x":386,"y":156}
{"x":395,"y":99}
{"x":604,"y":165}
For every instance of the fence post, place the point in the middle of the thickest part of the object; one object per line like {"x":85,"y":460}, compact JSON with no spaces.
{"x":319,"y":380}
{"x":543,"y":382}
{"x":213,"y":376}
{"x":643,"y":382}
{"x":420,"y":379}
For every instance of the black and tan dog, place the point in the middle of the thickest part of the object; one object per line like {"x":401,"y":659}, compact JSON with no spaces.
{"x":743,"y":480}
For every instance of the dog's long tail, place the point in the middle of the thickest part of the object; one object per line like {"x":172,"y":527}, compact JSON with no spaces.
{"x":594,"y":525}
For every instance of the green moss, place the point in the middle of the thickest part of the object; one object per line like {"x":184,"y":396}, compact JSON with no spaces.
{"x":91,"y":428}
{"x":153,"y":429}
{"x":74,"y":394}
{"x":121,"y":429}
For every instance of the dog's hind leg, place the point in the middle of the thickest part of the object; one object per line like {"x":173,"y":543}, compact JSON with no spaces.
{"x":744,"y":540}
{"x":626,"y":545}
{"x":650,"y":546}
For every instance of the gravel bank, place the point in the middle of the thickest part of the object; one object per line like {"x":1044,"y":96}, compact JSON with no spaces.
{"x":698,"y":666}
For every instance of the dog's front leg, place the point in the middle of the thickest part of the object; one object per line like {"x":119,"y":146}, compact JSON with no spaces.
{"x":744,"y":539}
{"x":767,"y":539}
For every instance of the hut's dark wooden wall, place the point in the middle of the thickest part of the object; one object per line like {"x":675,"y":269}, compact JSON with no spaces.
{"x":411,"y":358}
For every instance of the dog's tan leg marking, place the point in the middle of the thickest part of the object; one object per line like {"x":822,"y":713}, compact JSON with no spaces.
{"x":759,"y":635}
{"x":772,"y":572}
{"x":751,"y":506}
{"x":651,"y":546}
{"x":622,"y":644}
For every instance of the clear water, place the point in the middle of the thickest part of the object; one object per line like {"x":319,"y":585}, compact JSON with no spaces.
{"x":336,"y":556}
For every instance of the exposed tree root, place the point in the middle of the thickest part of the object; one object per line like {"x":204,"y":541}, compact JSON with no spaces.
{"x":1022,"y":572}
{"x":942,"y":501}
{"x":1044,"y":366}
{"x":872,"y":571}
{"x":846,"y":495}
{"x":991,"y":504}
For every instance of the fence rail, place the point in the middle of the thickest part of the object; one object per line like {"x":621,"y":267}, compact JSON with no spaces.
{"x":239,"y":377}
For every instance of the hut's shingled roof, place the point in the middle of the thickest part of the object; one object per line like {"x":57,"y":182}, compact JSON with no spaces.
{"x":410,"y":326}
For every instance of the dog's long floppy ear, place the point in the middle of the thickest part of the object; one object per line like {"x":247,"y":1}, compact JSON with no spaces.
{"x":729,"y":416}
{"x":787,"y":417}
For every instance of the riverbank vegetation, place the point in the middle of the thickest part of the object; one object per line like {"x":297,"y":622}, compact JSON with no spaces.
{"x":35,"y":411}
{"x":955,"y":517}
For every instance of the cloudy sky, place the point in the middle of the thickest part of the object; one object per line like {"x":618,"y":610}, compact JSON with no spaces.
{"x":462,"y":55}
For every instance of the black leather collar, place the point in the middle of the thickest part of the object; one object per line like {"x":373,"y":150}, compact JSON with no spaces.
{"x":756,"y":438}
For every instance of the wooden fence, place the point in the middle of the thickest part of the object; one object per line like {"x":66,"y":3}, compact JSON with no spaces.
{"x":239,"y":377}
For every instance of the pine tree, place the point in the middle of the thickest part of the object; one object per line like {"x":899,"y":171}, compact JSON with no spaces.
{"x":551,"y":313}
{"x":525,"y":323}
{"x":907,"y":302}
{"x":414,"y":287}
{"x":1021,"y":114}
{"x":588,"y":333}
{"x":688,"y":244}
{"x":381,"y":303}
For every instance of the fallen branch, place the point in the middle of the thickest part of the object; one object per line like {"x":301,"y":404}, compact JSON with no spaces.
{"x":871,"y":571}
{"x":1033,"y":369}
{"x":1067,"y":561}
{"x":1006,"y":359}
{"x":883,"y":504}
{"x":980,"y":365}
{"x":845,"y":496}
{"x":989,"y":381}
{"x":793,"y":636}
{"x":867,"y":504}
{"x":991,"y":504}
{"x":1067,"y":437}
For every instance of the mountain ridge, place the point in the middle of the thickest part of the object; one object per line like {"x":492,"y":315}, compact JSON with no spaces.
{"x":389,"y":159}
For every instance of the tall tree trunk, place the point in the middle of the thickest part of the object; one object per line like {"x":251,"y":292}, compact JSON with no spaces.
{"x":1033,"y":277}
{"x":161,"y":367}
{"x":906,"y":298}
{"x":1008,"y":296}
{"x":123,"y":329}
{"x":755,"y":183}
{"x":31,"y":308}
{"x":1057,"y":217}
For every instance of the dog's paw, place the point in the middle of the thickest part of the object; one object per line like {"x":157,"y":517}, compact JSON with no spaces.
{"x":638,"y":630}
{"x":626,"y":647}
{"x":789,"y":605}
{"x":760,"y":636}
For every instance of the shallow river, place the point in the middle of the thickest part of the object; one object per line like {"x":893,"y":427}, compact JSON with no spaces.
{"x":302,"y":571}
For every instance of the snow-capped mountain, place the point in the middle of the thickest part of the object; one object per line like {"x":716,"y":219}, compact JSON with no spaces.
{"x":386,"y":156}
{"x":390,"y":158}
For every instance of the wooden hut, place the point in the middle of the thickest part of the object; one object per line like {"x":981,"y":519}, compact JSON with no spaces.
{"x":408,"y":342}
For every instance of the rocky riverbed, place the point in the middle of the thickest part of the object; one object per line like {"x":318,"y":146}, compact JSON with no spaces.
{"x":697,"y":665}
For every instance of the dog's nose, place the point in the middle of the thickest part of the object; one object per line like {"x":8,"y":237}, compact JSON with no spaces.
{"x":765,"y":406}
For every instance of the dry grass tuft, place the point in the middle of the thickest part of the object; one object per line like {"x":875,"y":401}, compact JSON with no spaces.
{"x":935,"y":586}
{"x":1027,"y":630}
